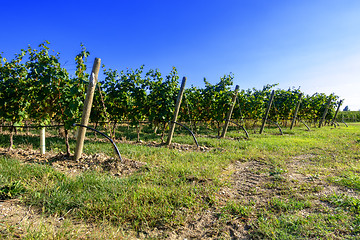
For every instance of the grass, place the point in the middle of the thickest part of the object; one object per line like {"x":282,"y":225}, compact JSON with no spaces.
{"x":176,"y":185}
{"x":348,"y":179}
{"x":312,"y":226}
{"x":348,"y":203}
{"x":237,"y":209}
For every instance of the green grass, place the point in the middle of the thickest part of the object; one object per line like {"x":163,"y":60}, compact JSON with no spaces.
{"x":348,"y":203}
{"x":348,"y":179}
{"x":312,"y":226}
{"x":122,"y":201}
{"x":288,"y":205}
{"x":176,"y":185}
{"x":237,"y":209}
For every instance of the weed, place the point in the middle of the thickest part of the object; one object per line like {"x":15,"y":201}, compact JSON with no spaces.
{"x":277,"y":171}
{"x":11,"y":190}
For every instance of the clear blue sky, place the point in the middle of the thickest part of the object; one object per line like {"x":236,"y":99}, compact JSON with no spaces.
{"x":312,"y":44}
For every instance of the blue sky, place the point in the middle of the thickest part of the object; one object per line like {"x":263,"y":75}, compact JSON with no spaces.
{"x":311,"y":44}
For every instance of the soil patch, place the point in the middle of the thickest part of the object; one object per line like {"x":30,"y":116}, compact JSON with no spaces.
{"x":60,"y":161}
{"x":298,"y":165}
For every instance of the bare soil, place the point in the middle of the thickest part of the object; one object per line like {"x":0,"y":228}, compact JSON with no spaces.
{"x":60,"y":161}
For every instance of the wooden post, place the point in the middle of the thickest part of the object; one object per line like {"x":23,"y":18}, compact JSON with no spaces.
{"x":296,"y":111}
{"x":267,"y":112}
{"x":336,"y":113}
{"x":305,"y":125}
{"x":325,"y":112}
{"x":177,"y":107}
{"x":87,"y":108}
{"x":42,"y":140}
{"x":228,"y":115}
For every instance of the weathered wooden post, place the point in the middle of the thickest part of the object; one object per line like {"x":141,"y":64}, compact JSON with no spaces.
{"x":296,"y":111}
{"x":177,"y":108}
{"x":229,"y":113}
{"x":336,"y":113}
{"x":325,"y":112}
{"x":267,"y":111}
{"x":87,"y":108}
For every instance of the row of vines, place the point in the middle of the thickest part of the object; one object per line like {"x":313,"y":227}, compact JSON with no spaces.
{"x":35,"y":87}
{"x":349,"y":116}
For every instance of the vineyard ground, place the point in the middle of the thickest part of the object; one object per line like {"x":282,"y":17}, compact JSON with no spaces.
{"x":298,"y":185}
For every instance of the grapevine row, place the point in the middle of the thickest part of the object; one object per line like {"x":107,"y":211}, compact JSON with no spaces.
{"x":34,"y":86}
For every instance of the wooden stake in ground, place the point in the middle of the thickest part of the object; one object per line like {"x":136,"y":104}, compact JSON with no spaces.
{"x":228,"y":115}
{"x":336,"y":113}
{"x":11,"y":138}
{"x":296,"y":111}
{"x":42,"y":140}
{"x":267,"y":111}
{"x":325,"y":112}
{"x":87,"y":108}
{"x":177,"y":107}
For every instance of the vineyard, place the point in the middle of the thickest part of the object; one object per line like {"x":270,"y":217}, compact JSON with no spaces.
{"x":37,"y":90}
{"x":349,"y":116}
{"x":285,"y":184}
